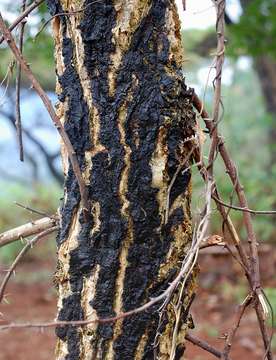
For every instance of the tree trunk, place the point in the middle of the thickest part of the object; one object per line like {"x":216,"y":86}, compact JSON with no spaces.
{"x":127,"y":111}
{"x":265,"y":67}
{"x":266,"y":70}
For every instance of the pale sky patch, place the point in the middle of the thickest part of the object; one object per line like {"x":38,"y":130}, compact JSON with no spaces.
{"x":201,"y":14}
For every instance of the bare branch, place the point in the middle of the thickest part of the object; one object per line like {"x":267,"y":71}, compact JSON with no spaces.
{"x":254,"y":212}
{"x":203,"y":345}
{"x":29,"y":245}
{"x":28,"y":229}
{"x":180,"y":166}
{"x":220,"y":9}
{"x":18,"y":88}
{"x":35,"y":211}
{"x":232,"y":333}
{"x":184,"y":5}
{"x":49,"y":158}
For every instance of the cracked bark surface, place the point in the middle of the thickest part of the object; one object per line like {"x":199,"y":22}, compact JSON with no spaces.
{"x":127,"y":112}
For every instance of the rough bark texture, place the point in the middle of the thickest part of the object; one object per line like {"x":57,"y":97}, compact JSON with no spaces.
{"x":127,"y":111}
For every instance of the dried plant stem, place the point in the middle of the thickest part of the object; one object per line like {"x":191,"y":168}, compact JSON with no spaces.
{"x":179,"y":168}
{"x":220,"y":9}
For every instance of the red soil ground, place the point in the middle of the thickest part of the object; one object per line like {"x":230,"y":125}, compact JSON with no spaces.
{"x":31,"y":298}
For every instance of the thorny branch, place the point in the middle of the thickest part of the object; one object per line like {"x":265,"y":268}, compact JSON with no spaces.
{"x":28,"y":246}
{"x":260,"y":305}
{"x":232,"y":333}
{"x":252,"y":266}
{"x":28,"y":229}
{"x":45,"y":99}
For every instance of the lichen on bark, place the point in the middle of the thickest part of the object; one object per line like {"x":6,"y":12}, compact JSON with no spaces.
{"x":127,"y":112}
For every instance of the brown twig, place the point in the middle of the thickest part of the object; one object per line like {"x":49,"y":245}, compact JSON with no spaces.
{"x":64,"y":13}
{"x":29,"y":245}
{"x":232,"y":333}
{"x":179,"y":168}
{"x":35,"y":211}
{"x":28,"y":229}
{"x":45,"y":99}
{"x":229,"y":224}
{"x":18,"y":124}
{"x":184,"y":5}
{"x":254,"y":212}
{"x":203,"y":345}
{"x":22,"y":16}
{"x":220,"y":9}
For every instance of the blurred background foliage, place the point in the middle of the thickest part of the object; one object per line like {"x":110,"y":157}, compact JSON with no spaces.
{"x":248,"y":124}
{"x":38,"y":45}
{"x":255,"y":32}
